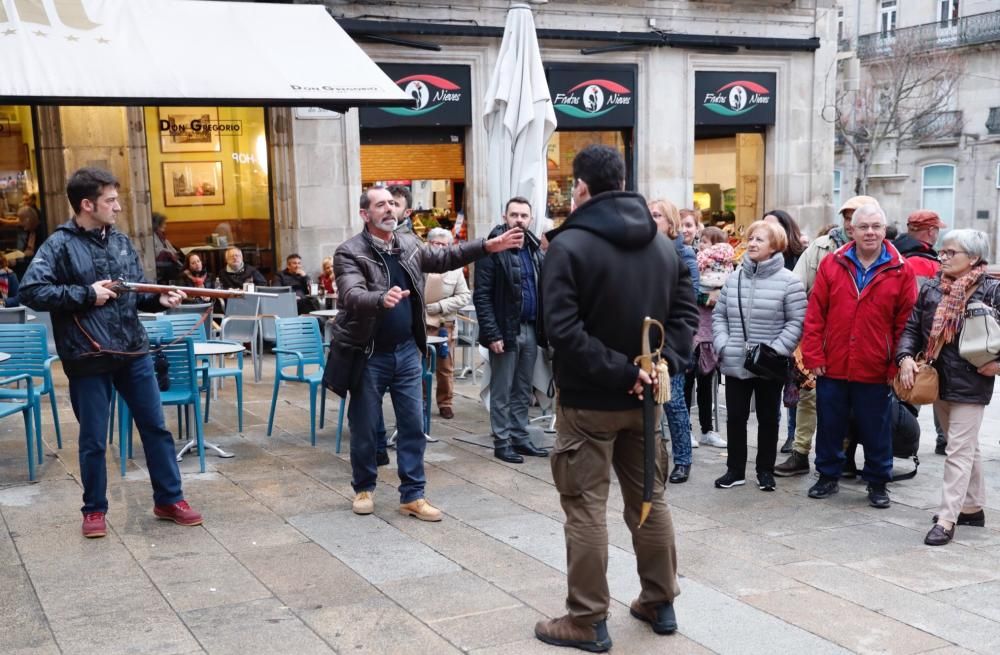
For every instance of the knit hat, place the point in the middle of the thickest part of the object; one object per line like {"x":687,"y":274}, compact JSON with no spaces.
{"x":924,"y":219}
{"x":857,"y":201}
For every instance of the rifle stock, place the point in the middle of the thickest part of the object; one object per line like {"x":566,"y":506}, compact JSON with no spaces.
{"x":196,"y":292}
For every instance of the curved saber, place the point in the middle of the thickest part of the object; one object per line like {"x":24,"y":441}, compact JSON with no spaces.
{"x":651,"y":362}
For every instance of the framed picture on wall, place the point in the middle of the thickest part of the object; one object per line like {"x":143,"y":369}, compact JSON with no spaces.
{"x":188,"y":129}
{"x":192,"y":183}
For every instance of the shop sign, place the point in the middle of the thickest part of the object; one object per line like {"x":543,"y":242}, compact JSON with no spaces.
{"x":592,"y":96}
{"x":442,"y":96}
{"x":734,"y":98}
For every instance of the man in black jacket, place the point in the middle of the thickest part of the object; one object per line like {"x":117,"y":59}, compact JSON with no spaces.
{"x":294,"y":276}
{"x":508,"y":309}
{"x":70,"y":278}
{"x":607,"y":269}
{"x":236,"y":273}
{"x":380,"y":282}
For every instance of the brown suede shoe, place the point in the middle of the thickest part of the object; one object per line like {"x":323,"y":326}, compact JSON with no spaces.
{"x":661,"y":617}
{"x":421,"y":509}
{"x":564,"y":631}
{"x":446,"y":412}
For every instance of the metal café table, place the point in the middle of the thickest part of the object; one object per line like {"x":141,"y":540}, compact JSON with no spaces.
{"x":429,"y":365}
{"x":211,"y":349}
{"x":325,"y":316}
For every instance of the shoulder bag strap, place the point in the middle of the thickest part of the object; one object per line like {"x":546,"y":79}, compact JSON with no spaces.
{"x":739,"y":303}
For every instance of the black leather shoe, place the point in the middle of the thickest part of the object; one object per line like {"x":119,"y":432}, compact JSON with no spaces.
{"x":530,"y":449}
{"x":938,"y":536}
{"x":976,"y":519}
{"x":878,"y":497}
{"x":787,"y":446}
{"x":680,"y":473}
{"x":507,"y":454}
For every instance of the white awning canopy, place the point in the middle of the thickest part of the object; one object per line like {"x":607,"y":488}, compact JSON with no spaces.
{"x":181,"y":52}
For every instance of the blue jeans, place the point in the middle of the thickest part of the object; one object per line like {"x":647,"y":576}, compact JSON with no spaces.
{"x":90,"y":396}
{"x":678,"y":421}
{"x":400,"y":372}
{"x":837,"y":401}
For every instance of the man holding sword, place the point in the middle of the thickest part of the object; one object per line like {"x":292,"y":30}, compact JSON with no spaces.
{"x":607,"y":270}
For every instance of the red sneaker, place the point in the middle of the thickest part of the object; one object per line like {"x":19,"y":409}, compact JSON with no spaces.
{"x":94,"y":525}
{"x":180,"y":513}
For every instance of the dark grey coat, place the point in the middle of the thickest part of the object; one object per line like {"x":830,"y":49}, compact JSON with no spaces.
{"x":958,"y":380}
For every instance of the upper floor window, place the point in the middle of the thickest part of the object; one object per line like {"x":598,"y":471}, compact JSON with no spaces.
{"x":948,"y":12}
{"x":840,"y":24}
{"x":836,"y":189}
{"x":938,"y":186}
{"x":887,"y":17}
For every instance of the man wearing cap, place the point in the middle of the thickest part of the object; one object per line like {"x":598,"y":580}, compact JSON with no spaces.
{"x":805,"y":419}
{"x":917,"y":247}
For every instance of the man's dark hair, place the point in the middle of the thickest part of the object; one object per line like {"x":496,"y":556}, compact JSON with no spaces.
{"x":292,"y":256}
{"x":366,"y":202}
{"x":88,"y":183}
{"x":400,"y":190}
{"x":159,"y":220}
{"x":518,"y":199}
{"x":601,"y":167}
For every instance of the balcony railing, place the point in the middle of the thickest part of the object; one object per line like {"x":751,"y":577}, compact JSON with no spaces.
{"x":940,"y":125}
{"x":954,"y":33}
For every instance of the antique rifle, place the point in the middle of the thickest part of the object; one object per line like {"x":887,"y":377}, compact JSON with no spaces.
{"x":121,"y":286}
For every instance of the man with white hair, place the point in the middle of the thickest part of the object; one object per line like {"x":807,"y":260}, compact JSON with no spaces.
{"x":859,"y":304}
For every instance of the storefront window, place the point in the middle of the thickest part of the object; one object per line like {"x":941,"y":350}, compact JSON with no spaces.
{"x":729,"y":180}
{"x":208,"y":177}
{"x":563,"y":147}
{"x":20,"y":210}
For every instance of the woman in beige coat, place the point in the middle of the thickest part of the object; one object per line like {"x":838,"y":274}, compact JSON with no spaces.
{"x":445,"y":294}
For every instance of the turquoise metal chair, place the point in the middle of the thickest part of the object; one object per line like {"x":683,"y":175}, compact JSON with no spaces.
{"x":300,"y":345}
{"x":183,"y":391}
{"x":184,"y":323}
{"x":28,"y":348}
{"x":155,"y":331}
{"x":31,"y":437}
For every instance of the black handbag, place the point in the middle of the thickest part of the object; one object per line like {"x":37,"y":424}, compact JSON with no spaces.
{"x":344,"y":365}
{"x":760,"y":359}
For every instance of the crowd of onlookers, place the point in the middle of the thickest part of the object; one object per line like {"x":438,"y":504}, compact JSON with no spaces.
{"x":831,"y":329}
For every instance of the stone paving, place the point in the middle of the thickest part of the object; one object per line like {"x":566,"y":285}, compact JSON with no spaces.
{"x":283,"y":566}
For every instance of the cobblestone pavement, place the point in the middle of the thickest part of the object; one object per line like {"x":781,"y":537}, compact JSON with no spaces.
{"x":283,"y":566}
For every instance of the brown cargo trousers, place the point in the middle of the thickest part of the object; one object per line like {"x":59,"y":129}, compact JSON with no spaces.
{"x":588,"y":444}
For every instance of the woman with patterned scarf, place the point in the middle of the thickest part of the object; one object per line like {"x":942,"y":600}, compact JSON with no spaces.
{"x":964,"y":390}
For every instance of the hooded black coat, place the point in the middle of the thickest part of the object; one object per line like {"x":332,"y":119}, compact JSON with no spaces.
{"x":607,"y":268}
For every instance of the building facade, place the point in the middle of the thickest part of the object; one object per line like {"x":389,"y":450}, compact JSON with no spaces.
{"x":716,"y":105}
{"x":955,"y":170}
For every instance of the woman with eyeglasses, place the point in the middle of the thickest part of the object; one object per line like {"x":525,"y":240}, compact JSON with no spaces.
{"x":963,"y":389}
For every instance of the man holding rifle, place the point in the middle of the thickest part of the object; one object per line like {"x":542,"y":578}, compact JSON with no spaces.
{"x":607,"y":270}
{"x":102,"y":343}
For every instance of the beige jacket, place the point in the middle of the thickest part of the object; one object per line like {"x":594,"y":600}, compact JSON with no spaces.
{"x":808,"y":263}
{"x":445,"y":294}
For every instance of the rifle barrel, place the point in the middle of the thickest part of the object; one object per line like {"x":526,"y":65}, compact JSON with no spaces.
{"x":201,"y":292}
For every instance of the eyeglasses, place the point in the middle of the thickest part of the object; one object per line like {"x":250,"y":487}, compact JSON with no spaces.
{"x":949,"y":253}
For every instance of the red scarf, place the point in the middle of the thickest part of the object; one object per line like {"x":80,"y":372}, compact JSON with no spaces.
{"x":948,"y":316}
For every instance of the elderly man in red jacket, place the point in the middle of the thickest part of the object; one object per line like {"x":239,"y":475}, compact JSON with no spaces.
{"x":857,"y":310}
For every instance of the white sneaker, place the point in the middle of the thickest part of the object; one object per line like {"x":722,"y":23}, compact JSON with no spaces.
{"x":713,"y":438}
{"x":694,"y":442}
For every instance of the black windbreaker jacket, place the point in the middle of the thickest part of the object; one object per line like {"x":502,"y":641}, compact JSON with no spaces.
{"x":58,"y":281}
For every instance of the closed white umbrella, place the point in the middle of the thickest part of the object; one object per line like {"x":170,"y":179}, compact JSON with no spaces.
{"x":519,"y":119}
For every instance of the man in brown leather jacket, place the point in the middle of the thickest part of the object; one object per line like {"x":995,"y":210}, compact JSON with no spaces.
{"x":380,"y":284}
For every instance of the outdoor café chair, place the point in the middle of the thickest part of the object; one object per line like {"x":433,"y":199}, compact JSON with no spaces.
{"x":33,"y":440}
{"x":28,"y":348}
{"x":299,"y":345}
